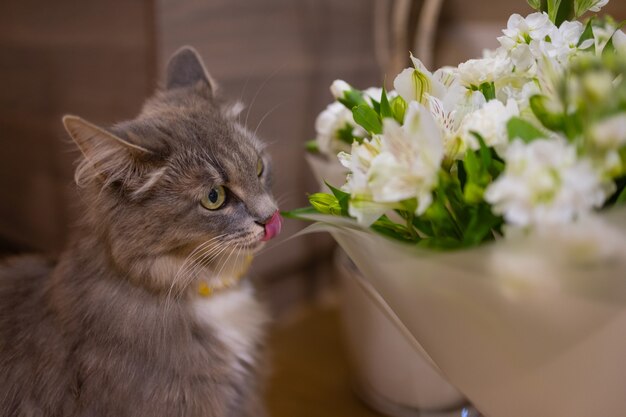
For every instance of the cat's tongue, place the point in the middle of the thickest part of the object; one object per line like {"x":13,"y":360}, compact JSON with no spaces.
{"x":272,"y":227}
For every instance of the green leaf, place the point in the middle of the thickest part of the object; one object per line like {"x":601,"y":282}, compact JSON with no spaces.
{"x":352,"y":98}
{"x":385,"y":107}
{"x":488,"y":90}
{"x":565,"y":11}
{"x":393,"y":230}
{"x":343,"y":199}
{"x":581,"y":6}
{"x":440,"y":243}
{"x":365,"y":116}
{"x":398,"y":105}
{"x":587,"y":34}
{"x":484,"y":151}
{"x":609,"y":48}
{"x":482,"y":223}
{"x":345,"y":134}
{"x":621,"y":198}
{"x":375,"y":105}
{"x":311,"y":146}
{"x":473,"y":193}
{"x":535,"y":4}
{"x":520,"y":128}
{"x":472,"y":165}
{"x":551,"y":120}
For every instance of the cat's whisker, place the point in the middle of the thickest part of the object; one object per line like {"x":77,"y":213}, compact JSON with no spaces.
{"x":258,"y":91}
{"x":193,"y":256}
{"x":205,"y":260}
{"x":270,"y":111}
{"x":188,"y":263}
{"x":210,"y":254}
{"x":226,"y":261}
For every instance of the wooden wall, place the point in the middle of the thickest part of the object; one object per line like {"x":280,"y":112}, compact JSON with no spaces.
{"x":92,"y":58}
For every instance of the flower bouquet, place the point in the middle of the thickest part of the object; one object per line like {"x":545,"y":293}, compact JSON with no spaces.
{"x":482,"y":202}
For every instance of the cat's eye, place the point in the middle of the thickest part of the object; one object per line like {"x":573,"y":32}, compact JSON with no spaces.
{"x":259,"y":167}
{"x":215,"y":198}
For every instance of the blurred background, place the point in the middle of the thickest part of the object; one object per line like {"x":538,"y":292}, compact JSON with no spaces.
{"x":101,"y":59}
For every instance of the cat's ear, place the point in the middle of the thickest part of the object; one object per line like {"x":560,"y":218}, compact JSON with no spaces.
{"x":106,"y":155}
{"x":185,"y":69}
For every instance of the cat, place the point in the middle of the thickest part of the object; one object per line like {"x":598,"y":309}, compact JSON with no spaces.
{"x":144,"y":313}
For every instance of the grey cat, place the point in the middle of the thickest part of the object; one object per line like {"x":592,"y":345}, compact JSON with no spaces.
{"x":143,"y":314}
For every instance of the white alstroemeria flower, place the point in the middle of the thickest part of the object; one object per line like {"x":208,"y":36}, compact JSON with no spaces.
{"x":619,"y":42}
{"x":359,"y":162}
{"x":449,"y":114}
{"x":490,"y":122}
{"x":519,"y":35}
{"x":475,"y":72}
{"x":413,"y":84}
{"x":545,"y":183}
{"x":520,"y":29}
{"x":328,"y":123}
{"x":610,"y":133}
{"x":409,"y":161}
{"x":521,"y":95}
{"x":561,"y":43}
{"x":338,"y":88}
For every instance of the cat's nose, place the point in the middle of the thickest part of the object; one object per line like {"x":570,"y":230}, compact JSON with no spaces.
{"x":272,"y":225}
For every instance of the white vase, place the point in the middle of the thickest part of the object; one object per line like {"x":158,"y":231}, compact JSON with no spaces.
{"x":391,"y":372}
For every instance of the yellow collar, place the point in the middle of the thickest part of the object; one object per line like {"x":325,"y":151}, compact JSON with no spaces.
{"x":208,"y":288}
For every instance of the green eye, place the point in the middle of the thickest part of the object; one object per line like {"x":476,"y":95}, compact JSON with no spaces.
{"x":214,"y":198}
{"x":259,"y":167}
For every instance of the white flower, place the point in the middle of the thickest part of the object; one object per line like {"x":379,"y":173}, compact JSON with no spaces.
{"x":521,"y":94}
{"x":327,"y":125}
{"x":520,"y":34}
{"x":338,"y":88}
{"x":619,"y":42}
{"x":359,"y":162}
{"x":490,"y":122}
{"x":610,"y":133}
{"x":414,"y":84}
{"x":410,"y":158}
{"x":520,"y":29}
{"x":561,"y":43}
{"x":545,"y":183}
{"x":475,"y":72}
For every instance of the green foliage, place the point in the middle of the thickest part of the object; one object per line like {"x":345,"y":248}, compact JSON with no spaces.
{"x":535,"y":4}
{"x":385,"y":107}
{"x":343,"y":199}
{"x":352,"y":98}
{"x":550,"y":119}
{"x":587,"y":34}
{"x":311,"y":146}
{"x":523,"y":129}
{"x":367,"y":118}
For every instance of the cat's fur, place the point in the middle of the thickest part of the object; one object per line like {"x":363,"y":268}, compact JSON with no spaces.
{"x":116,"y":328}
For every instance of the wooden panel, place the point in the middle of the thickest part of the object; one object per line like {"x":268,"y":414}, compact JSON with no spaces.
{"x":91,"y":58}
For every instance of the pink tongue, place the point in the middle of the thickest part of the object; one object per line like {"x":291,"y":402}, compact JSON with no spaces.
{"x":272,"y":227}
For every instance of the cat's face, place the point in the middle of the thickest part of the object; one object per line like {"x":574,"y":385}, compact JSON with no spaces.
{"x":182,"y":186}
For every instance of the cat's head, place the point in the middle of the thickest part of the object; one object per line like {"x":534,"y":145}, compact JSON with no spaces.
{"x":182,"y":187}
